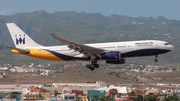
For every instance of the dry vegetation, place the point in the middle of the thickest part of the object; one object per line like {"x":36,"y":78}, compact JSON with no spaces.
{"x":80,"y":74}
{"x":70,"y":75}
{"x":169,"y":77}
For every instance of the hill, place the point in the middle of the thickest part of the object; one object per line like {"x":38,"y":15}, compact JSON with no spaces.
{"x":74,"y":75}
{"x":92,"y":28}
{"x":83,"y":75}
{"x":169,"y":77}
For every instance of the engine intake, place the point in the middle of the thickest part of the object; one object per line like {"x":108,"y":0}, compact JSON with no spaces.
{"x":121,"y":61}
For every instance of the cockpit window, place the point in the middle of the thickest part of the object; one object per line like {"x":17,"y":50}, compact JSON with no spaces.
{"x":166,"y":44}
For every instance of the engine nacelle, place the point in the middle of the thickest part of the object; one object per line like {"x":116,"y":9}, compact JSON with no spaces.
{"x":116,"y":55}
{"x":121,"y":61}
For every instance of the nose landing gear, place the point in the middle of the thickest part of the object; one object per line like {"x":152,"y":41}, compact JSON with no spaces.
{"x":156,"y":60}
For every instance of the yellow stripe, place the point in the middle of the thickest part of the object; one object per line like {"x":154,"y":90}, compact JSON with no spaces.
{"x":40,"y":53}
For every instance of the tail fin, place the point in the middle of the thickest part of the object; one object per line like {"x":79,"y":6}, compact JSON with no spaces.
{"x":20,"y":39}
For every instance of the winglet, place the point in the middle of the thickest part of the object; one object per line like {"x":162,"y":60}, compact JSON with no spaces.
{"x":20,"y":50}
{"x":60,"y":39}
{"x":54,"y":36}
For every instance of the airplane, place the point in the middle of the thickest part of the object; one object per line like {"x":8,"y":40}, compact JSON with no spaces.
{"x":111,"y":52}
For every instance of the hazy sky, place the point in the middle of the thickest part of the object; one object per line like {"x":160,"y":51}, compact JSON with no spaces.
{"x":170,"y":9}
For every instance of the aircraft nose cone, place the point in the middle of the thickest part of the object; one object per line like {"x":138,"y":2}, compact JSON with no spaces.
{"x":171,"y":47}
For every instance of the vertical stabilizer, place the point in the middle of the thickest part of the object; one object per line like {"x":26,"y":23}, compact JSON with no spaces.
{"x":20,"y":38}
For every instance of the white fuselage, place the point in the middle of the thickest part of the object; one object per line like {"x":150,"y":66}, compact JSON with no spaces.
{"x":127,"y":49}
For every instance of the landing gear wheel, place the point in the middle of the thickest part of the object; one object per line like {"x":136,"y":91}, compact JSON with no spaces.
{"x":155,"y":60}
{"x":91,"y":68}
{"x":96,"y":65}
{"x":87,"y":66}
{"x":93,"y":64}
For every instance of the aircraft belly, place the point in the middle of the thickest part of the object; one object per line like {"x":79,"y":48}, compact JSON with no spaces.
{"x":144,"y":52}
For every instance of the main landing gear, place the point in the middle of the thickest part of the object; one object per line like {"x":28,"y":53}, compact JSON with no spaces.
{"x":156,"y":60}
{"x":93,"y":65}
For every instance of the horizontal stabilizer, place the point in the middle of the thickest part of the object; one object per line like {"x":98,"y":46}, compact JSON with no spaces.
{"x":20,"y":50}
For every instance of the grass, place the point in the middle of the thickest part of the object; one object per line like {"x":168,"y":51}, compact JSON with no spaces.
{"x":87,"y":75}
{"x":169,"y":77}
{"x":173,"y":65}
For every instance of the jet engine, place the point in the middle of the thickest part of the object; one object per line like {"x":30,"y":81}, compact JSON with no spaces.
{"x":121,"y":61}
{"x":113,"y":55}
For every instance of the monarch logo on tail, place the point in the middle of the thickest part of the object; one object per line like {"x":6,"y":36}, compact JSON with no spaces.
{"x":20,"y":40}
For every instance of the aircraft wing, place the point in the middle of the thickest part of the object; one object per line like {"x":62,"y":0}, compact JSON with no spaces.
{"x":86,"y":50}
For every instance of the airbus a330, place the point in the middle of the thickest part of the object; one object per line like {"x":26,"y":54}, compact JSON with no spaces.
{"x":111,"y":52}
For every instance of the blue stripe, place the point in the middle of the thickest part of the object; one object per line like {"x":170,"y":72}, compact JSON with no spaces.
{"x":144,"y":52}
{"x":66,"y":57}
